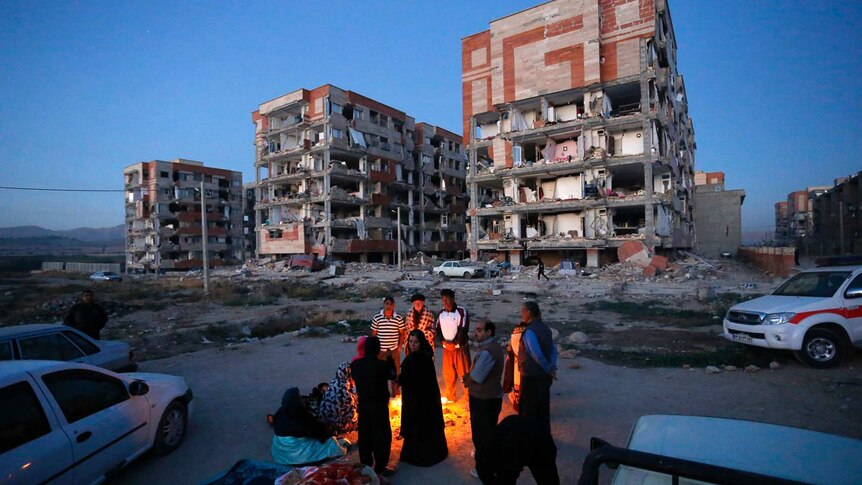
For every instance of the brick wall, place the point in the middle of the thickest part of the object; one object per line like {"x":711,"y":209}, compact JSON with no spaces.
{"x":552,"y":47}
{"x":778,"y":261}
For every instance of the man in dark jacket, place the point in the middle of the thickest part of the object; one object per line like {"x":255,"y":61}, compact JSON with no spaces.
{"x":87,"y":316}
{"x":518,"y":441}
{"x":371,"y":376}
{"x":483,"y":382}
{"x":537,"y":360}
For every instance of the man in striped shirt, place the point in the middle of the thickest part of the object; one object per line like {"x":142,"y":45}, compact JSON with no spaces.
{"x":391,"y":329}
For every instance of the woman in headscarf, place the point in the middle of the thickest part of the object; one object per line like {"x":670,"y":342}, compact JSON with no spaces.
{"x":371,"y":376}
{"x":422,"y":423}
{"x":299,"y":438}
{"x":338,"y":405}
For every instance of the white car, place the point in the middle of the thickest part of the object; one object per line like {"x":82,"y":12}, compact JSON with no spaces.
{"x":69,"y":423}
{"x":106,"y":276}
{"x":59,"y":342}
{"x":816,"y":313}
{"x":666,"y":449}
{"x":459,"y":268}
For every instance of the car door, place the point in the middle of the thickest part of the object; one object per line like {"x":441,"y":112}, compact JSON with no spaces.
{"x":853,"y":310}
{"x":50,"y":346}
{"x":33,"y":446}
{"x":106,"y":426}
{"x":454,"y":269}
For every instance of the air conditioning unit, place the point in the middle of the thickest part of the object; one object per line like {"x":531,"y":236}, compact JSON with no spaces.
{"x":444,"y":220}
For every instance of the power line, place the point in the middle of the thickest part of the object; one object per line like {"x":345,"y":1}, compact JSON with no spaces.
{"x":45,"y":189}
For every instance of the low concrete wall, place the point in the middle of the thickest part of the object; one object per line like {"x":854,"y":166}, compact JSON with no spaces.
{"x":80,"y":267}
{"x":778,"y":261}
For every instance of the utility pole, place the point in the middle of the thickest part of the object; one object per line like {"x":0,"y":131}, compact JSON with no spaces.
{"x":399,"y":238}
{"x":204,"y":238}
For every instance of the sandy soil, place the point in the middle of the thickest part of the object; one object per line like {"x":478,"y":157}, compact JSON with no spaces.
{"x":236,"y":387}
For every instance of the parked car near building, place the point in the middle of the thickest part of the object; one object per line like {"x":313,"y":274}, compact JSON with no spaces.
{"x":70,"y":423}
{"x":817,"y":314}
{"x":59,"y":342}
{"x":105,"y":276}
{"x":459,"y":268}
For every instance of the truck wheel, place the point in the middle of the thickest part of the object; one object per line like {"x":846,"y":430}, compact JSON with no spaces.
{"x":172,"y":429}
{"x":822,"y":349}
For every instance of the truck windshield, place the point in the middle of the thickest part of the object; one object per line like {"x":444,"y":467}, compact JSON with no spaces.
{"x":822,"y":284}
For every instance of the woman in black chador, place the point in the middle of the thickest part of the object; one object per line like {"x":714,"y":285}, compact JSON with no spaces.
{"x":421,"y":412}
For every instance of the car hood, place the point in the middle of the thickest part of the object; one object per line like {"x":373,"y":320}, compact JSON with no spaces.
{"x":162,"y":382}
{"x":781,"y":304}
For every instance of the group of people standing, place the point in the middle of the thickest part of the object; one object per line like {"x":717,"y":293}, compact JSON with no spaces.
{"x":525,"y":370}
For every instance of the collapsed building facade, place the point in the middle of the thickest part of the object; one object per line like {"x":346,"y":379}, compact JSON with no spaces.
{"x":335,"y":171}
{"x":836,"y":218}
{"x":577,"y":132}
{"x":163,"y":215}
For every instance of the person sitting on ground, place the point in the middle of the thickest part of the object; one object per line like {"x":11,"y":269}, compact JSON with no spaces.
{"x":422,"y":423}
{"x":312,"y":401}
{"x":300,"y":439}
{"x":338,"y":404}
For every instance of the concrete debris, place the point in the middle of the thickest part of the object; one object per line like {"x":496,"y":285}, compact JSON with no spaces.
{"x":731,"y":368}
{"x":574,"y":365}
{"x":634,"y":253}
{"x":568,"y":354}
{"x":712,"y":370}
{"x":751,"y":369}
{"x":774,"y":365}
{"x":578,"y":338}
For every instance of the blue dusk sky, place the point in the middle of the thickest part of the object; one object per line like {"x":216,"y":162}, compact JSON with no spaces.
{"x":87,"y":88}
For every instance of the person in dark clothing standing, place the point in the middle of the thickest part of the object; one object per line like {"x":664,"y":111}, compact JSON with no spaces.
{"x":371,"y":375}
{"x":517,"y":442}
{"x":537,"y":361}
{"x":87,"y":316}
{"x":422,"y":423}
{"x":542,"y":271}
{"x":483,"y":382}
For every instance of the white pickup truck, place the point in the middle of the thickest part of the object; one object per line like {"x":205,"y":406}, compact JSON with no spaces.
{"x":817,"y":314}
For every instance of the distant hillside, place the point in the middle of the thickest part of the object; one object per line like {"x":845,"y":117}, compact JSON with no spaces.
{"x":112,"y":234}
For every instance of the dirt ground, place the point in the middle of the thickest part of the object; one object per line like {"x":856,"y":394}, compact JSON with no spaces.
{"x":236,"y":387}
{"x":629,"y":346}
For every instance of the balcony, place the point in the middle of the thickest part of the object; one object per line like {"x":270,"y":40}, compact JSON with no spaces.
{"x":380,"y":176}
{"x":364,"y":246}
{"x":381,"y":199}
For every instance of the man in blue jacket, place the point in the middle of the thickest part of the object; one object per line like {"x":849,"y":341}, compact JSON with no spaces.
{"x":537,"y":361}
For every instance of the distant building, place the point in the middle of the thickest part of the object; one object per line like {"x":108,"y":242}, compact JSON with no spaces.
{"x":163,"y":215}
{"x":836,"y":219}
{"x":717,"y":215}
{"x":335,"y":171}
{"x":782,"y":222}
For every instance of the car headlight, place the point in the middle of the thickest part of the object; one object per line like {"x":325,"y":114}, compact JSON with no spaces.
{"x":777,"y":318}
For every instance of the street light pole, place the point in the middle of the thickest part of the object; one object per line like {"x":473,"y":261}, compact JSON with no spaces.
{"x":399,"y":238}
{"x":204,"y":238}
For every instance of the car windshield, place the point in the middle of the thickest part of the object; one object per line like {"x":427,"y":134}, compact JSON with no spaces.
{"x":822,"y":284}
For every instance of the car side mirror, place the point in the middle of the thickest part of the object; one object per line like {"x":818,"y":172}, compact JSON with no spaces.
{"x":138,"y":388}
{"x":852,"y":293}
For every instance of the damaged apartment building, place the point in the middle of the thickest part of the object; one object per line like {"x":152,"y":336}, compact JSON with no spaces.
{"x":577,"y":132}
{"x":163,"y":215}
{"x":336,"y":171}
